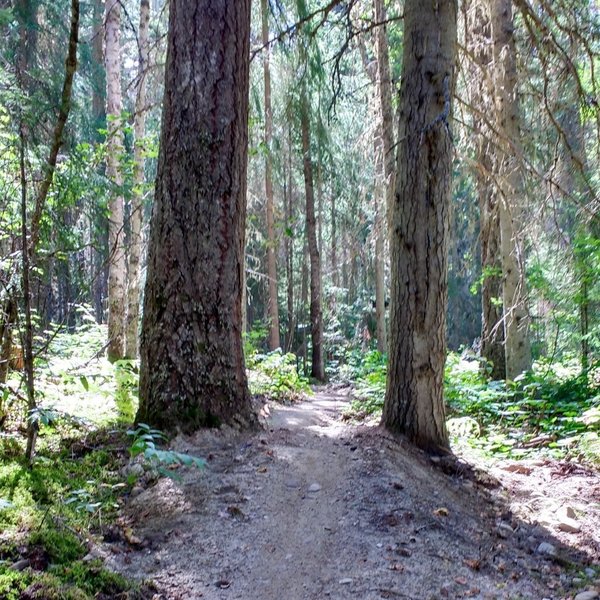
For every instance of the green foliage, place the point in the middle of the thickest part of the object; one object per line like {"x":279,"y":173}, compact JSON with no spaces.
{"x":275,"y":375}
{"x":145,"y":442}
{"x":555,"y":407}
{"x":368,"y":372}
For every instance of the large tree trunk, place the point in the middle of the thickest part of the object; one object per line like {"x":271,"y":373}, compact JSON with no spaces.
{"x":139,"y":127}
{"x":316,"y":316}
{"x":192,"y":363}
{"x":414,"y":402}
{"x":116,"y":234}
{"x":479,"y":45}
{"x":272,"y":304}
{"x":510,"y":180}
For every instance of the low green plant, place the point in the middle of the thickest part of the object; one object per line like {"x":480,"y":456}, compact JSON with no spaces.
{"x":368,"y":372}
{"x":275,"y":375}
{"x":145,"y":443}
{"x":555,"y":407}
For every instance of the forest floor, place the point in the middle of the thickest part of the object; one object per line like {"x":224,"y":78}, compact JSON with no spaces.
{"x":316,"y":507}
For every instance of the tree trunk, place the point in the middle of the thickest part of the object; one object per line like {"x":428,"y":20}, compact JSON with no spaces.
{"x":116,"y":234}
{"x":380,"y":230}
{"x":99,"y":222}
{"x":192,"y":363}
{"x":414,"y":402}
{"x":98,"y":71}
{"x":509,"y":176}
{"x":334,"y":252}
{"x":289,"y":246}
{"x":316,"y":317}
{"x":384,"y":91}
{"x":135,"y":248}
{"x":479,"y":45}
{"x":272,"y":304}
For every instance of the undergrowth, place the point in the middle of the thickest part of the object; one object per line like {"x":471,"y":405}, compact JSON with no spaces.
{"x":553,"y":409}
{"x":275,"y":376}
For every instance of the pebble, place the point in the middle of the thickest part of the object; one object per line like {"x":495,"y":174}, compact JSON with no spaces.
{"x":504,"y":530}
{"x":136,"y":490}
{"x":345,"y":581}
{"x":589,"y":572}
{"x":589,"y":595}
{"x":569,"y":525}
{"x":546,"y":549}
{"x":314,"y":487}
{"x":292,"y":483}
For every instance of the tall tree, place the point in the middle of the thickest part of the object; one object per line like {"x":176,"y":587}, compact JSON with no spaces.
{"x":481,"y":95}
{"x":316,"y":309}
{"x":414,"y":401}
{"x":508,"y":174}
{"x":139,"y":128}
{"x":192,"y":363}
{"x":272,"y":304}
{"x":116,"y":235}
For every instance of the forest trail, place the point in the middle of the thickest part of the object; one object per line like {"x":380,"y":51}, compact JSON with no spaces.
{"x":316,"y":508}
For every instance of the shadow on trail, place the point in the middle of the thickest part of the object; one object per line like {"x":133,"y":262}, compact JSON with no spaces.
{"x":315,"y":508}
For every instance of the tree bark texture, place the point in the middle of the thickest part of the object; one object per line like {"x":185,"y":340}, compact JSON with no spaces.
{"x":414,"y":402}
{"x":510,"y":181}
{"x":192,"y":362}
{"x":316,"y":314}
{"x":481,"y":92}
{"x":272,"y":304}
{"x":117,"y":298}
{"x":139,"y":128}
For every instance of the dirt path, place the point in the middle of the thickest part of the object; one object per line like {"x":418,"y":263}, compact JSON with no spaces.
{"x":313,"y":508}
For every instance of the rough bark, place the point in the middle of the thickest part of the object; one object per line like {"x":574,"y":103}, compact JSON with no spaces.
{"x":414,"y":402}
{"x":481,"y":92}
{"x":139,"y":128}
{"x":192,"y":365}
{"x":510,"y":181}
{"x":316,"y":315}
{"x":272,"y":303}
{"x":117,"y":299}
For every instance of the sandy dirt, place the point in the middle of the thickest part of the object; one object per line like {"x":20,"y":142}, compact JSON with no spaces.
{"x":314,"y":508}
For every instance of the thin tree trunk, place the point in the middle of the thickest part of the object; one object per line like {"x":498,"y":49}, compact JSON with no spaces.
{"x":139,"y":127}
{"x":99,"y":222}
{"x":414,"y":401}
{"x":334,"y":259}
{"x":380,"y":230}
{"x":289,"y":246}
{"x":192,"y":364}
{"x":32,"y":423}
{"x":98,"y":71}
{"x":384,"y":91}
{"x":272,"y":303}
{"x":117,"y":299}
{"x":479,"y":44}
{"x":316,"y":317}
{"x":509,"y":176}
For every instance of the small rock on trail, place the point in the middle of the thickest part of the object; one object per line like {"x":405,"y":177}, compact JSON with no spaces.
{"x":316,"y":508}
